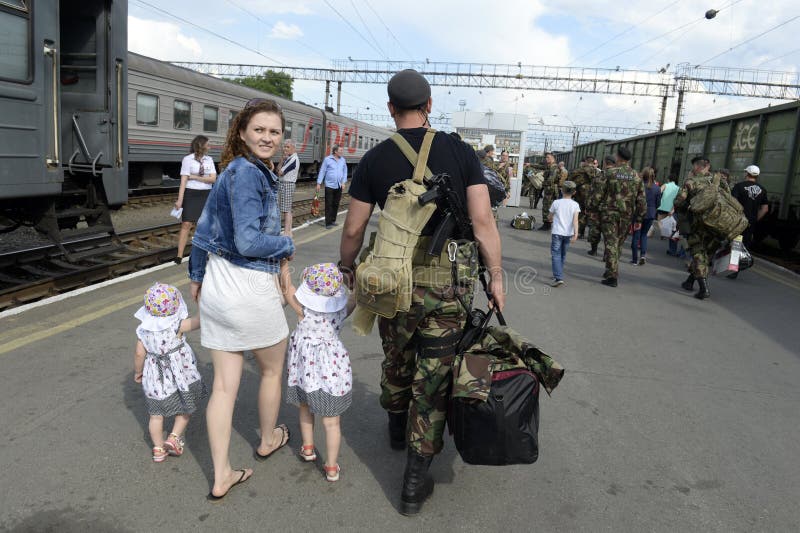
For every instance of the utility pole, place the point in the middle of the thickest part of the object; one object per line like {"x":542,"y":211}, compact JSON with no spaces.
{"x":327,"y":93}
{"x":338,"y":97}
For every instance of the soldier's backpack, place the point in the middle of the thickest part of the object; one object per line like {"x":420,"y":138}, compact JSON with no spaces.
{"x":718,"y":211}
{"x":537,"y":180}
{"x":497,"y":191}
{"x":384,"y":279}
{"x":523,"y":221}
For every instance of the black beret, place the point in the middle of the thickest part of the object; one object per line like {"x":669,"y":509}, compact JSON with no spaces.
{"x":408,"y":89}
{"x":697,"y":158}
{"x":624,"y":153}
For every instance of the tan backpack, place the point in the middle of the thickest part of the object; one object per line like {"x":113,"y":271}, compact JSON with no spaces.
{"x":384,"y":278}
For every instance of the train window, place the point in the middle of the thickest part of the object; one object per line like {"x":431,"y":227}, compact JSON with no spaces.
{"x":146,"y":109}
{"x":287,"y":132}
{"x":360,"y":142}
{"x":210,"y":118}
{"x":231,"y":116}
{"x":299,"y":132}
{"x":182,"y":115}
{"x":15,"y":43}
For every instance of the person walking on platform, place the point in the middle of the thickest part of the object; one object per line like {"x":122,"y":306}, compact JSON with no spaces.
{"x":166,"y":367}
{"x":290,"y":167}
{"x":620,"y":200}
{"x":583,"y":178}
{"x":198,"y":175}
{"x":652,"y":194}
{"x":504,"y":171}
{"x":234,"y":265}
{"x":564,"y":219}
{"x":592,"y":211}
{"x":333,"y":174}
{"x":753,"y":198}
{"x":549,"y":188}
{"x":702,"y":243}
{"x":419,"y":345}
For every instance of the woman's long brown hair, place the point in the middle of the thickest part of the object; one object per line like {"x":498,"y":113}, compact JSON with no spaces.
{"x":648,"y":176}
{"x":234,"y":145}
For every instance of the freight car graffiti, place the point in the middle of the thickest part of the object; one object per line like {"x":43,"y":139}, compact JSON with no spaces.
{"x":746,"y":136}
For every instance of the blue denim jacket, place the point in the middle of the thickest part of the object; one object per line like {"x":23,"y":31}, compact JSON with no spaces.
{"x":241,"y":222}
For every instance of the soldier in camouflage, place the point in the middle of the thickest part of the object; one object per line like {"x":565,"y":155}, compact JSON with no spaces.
{"x":592,"y":211}
{"x":563,"y":174}
{"x":702,"y":243}
{"x":549,"y":187}
{"x":619,"y":198}
{"x":583,"y":178}
{"x":503,"y":170}
{"x":419,"y":345}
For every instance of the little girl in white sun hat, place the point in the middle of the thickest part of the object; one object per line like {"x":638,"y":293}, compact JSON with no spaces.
{"x":320,"y":378}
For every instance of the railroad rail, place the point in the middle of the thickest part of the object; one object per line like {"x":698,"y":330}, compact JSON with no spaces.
{"x":38,"y":272}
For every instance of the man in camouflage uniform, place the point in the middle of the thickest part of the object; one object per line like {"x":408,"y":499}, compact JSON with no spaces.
{"x":419,"y":345}
{"x":592,"y":211}
{"x":563,"y":174}
{"x":502,"y":169}
{"x":549,"y":187}
{"x":702,"y":243}
{"x":583,"y":178}
{"x":619,"y":196}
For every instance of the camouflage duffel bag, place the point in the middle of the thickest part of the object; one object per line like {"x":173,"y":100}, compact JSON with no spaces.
{"x":523,"y":222}
{"x":494,"y":409}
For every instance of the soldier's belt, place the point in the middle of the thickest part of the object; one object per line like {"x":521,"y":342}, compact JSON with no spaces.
{"x":429,"y":347}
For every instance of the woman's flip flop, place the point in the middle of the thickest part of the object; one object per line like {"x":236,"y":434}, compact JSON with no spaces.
{"x":285,"y":436}
{"x":242,"y":479}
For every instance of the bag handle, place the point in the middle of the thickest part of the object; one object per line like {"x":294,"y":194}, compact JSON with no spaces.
{"x":418,"y":161}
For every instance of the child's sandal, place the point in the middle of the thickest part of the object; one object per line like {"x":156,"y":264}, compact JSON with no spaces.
{"x":159,"y":454}
{"x":174,"y":445}
{"x":307,"y":453}
{"x":332,"y":472}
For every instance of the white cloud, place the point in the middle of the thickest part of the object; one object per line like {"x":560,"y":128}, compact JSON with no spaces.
{"x":281,"y":30}
{"x":279,"y":7}
{"x":161,"y":40}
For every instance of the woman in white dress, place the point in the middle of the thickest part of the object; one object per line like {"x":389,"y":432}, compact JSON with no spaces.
{"x":234,"y":265}
{"x":198,"y":175}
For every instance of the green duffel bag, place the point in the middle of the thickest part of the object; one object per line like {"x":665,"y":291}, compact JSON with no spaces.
{"x":726,"y":218}
{"x":521,"y":222}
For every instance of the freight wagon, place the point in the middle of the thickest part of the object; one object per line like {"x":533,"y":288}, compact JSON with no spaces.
{"x":769,"y":138}
{"x":661,"y":150}
{"x":596,"y":149}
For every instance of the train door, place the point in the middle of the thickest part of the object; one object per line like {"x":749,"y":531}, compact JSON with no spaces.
{"x":29,"y":137}
{"x":93,"y":90}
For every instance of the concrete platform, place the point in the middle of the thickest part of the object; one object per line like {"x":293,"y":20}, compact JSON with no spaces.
{"x":674,"y":415}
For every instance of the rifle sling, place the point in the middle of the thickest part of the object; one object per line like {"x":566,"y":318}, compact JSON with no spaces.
{"x":418,"y":161}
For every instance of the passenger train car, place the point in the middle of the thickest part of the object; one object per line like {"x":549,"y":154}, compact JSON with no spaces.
{"x":63,"y":119}
{"x":169,"y":105}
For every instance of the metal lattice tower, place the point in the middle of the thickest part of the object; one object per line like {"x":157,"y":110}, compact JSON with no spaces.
{"x":663,"y":84}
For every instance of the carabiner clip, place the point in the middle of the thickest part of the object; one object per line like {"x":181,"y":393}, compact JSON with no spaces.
{"x":452,"y":250}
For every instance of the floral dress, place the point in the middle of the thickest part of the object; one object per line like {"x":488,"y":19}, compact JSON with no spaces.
{"x":319,"y":365}
{"x":170,"y":379}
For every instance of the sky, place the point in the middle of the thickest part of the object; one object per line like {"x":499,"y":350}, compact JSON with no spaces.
{"x":642,"y":35}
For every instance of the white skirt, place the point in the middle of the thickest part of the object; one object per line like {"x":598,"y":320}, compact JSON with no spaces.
{"x":240,"y":308}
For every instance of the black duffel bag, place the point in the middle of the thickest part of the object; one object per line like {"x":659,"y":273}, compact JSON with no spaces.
{"x":502,"y":430}
{"x":494,"y":409}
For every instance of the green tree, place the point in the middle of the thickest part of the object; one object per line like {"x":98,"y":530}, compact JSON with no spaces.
{"x":277,"y":83}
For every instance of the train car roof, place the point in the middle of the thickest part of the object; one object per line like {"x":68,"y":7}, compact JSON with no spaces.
{"x":163,"y":69}
{"x":646,"y":135}
{"x":755,"y":112}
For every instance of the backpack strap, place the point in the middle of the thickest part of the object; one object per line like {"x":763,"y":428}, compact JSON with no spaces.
{"x":418,"y":161}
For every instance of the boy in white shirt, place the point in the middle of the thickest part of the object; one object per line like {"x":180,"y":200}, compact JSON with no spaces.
{"x":564,"y":219}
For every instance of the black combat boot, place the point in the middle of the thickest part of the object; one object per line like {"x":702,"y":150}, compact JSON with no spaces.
{"x":397,"y":430}
{"x":689,"y":283}
{"x":544,"y":226}
{"x":417,"y":484}
{"x":609,"y":282}
{"x":593,"y":251}
{"x":703,"y":292}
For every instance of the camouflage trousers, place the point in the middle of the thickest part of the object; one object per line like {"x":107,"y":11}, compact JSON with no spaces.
{"x":594,"y":230}
{"x":702,"y":246}
{"x":419,"y":347}
{"x":547,"y":200}
{"x":533,"y":197}
{"x":615,"y":229}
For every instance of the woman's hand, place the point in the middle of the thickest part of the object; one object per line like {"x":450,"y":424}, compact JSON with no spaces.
{"x":178,"y":204}
{"x":194,"y":289}
{"x":137,"y":377}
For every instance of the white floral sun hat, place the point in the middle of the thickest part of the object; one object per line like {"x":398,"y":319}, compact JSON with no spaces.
{"x":322,"y":289}
{"x":163,"y":307}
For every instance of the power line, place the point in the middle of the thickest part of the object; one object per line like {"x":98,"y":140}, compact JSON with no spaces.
{"x":626,"y":30}
{"x":784,"y":23}
{"x":409,"y":54}
{"x":779,"y":57}
{"x":266,"y":24}
{"x":353,"y":28}
{"x":215,"y":34}
{"x":358,"y":13}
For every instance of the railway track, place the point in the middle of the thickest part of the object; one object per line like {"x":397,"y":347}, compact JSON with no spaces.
{"x":34,"y":273}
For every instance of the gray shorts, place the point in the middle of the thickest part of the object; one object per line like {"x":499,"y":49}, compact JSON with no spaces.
{"x":285,"y":196}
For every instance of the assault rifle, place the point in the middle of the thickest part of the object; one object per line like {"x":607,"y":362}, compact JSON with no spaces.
{"x":456,"y":220}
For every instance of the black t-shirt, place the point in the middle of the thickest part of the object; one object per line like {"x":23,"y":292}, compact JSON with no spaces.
{"x":752,"y":196}
{"x":385,"y":165}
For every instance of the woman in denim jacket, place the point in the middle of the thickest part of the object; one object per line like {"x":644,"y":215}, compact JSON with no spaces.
{"x":234,"y":265}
